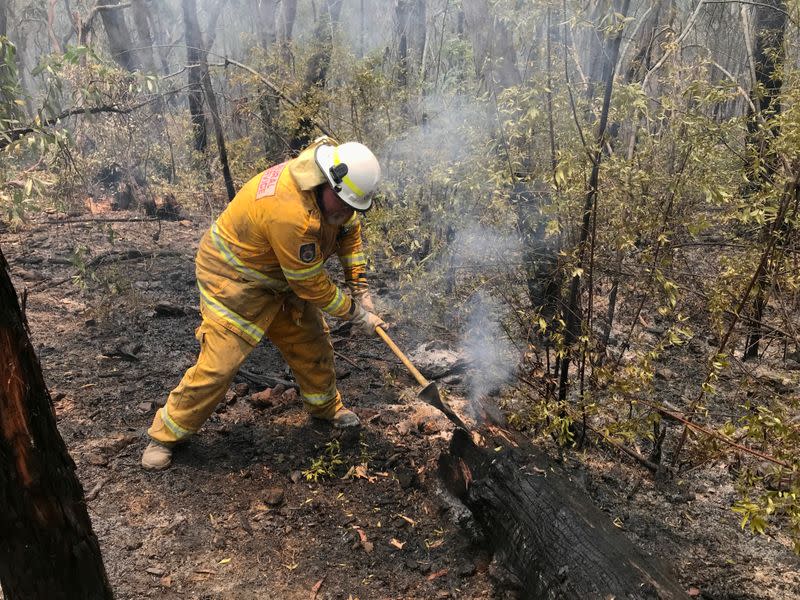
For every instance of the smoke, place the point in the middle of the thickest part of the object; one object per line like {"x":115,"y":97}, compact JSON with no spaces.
{"x":476,"y":246}
{"x":487,"y":347}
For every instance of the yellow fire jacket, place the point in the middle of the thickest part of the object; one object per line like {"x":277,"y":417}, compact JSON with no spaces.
{"x":270,"y":241}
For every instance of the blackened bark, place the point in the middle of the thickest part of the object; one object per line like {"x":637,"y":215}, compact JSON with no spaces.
{"x":211,"y":98}
{"x":119,"y":38}
{"x":316,"y":75}
{"x":771,"y":19}
{"x":194,"y":58}
{"x":545,"y":530}
{"x":493,"y":46}
{"x":141,"y":11}
{"x":48,"y":550}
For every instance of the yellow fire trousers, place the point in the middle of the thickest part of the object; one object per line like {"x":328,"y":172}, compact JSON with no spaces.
{"x":302,"y":339}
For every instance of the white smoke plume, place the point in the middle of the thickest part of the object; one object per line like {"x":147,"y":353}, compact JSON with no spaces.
{"x":487,"y":348}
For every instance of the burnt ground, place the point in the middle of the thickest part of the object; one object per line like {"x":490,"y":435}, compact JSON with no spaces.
{"x":237,"y":516}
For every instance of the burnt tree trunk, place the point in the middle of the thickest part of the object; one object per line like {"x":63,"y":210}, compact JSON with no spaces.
{"x":141,"y":19}
{"x":771,"y":19}
{"x":48,"y":550}
{"x":546,"y":531}
{"x":493,"y":46}
{"x":316,"y":76}
{"x":119,"y":38}
{"x":194,"y":57}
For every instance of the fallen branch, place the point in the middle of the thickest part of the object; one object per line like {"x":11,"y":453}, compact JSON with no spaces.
{"x":102,"y":220}
{"x":97,"y":260}
{"x":267,"y":380}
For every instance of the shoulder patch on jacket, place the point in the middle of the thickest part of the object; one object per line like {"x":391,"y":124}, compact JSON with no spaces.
{"x":308,"y":252}
{"x":269,"y":181}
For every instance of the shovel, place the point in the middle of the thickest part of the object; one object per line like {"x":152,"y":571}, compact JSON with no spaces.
{"x":429,"y":393}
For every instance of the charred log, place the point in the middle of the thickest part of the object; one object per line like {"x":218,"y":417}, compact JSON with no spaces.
{"x":546,"y":531}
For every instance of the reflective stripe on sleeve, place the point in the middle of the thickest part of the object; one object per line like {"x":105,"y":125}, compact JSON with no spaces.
{"x":251,"y":330}
{"x":178,"y":431}
{"x":236,"y":263}
{"x":336,"y":304}
{"x":301,"y":274}
{"x":356,"y":259}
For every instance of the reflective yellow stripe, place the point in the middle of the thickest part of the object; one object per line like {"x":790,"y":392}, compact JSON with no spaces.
{"x":351,"y":221}
{"x":319,"y":399}
{"x":346,"y":180}
{"x":250,"y":329}
{"x":178,"y":431}
{"x":336,"y":304}
{"x":300,"y":274}
{"x":236,"y":263}
{"x":356,"y":259}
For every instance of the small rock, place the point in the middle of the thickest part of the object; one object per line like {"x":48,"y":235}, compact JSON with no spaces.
{"x":289,"y":396}
{"x":167,"y":309}
{"x":262,"y":399}
{"x":405,"y":427}
{"x":406,"y":478}
{"x":241,"y":389}
{"x":96,"y":459}
{"x":665,"y":374}
{"x":274,"y":496}
{"x":230,"y":397}
{"x":296,"y":476}
{"x":466,"y":569}
{"x":144,"y":407}
{"x":133,"y":544}
{"x":158,"y":572}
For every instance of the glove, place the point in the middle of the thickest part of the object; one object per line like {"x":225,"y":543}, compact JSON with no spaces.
{"x":365,"y":300}
{"x":366,"y":321}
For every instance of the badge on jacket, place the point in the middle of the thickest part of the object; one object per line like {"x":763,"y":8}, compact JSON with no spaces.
{"x":308,"y":252}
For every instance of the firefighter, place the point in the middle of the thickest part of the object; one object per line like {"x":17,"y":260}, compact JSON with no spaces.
{"x":260,"y":272}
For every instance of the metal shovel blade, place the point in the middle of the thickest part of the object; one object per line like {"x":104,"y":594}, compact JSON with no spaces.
{"x":430,"y":394}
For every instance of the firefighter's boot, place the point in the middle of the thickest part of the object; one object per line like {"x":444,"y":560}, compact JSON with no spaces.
{"x":157,"y":456}
{"x":345,"y":418}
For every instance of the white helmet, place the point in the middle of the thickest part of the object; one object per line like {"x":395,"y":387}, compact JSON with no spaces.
{"x":352,"y":170}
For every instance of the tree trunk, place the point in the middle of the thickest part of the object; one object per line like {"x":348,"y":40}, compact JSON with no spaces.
{"x":493,"y":46}
{"x":119,"y":38}
{"x":286,"y":24}
{"x":48,"y":550}
{"x":211,"y":98}
{"x":544,"y":529}
{"x":141,"y":9}
{"x":770,"y":29}
{"x":402,"y":13}
{"x":573,"y":316}
{"x":267,"y":23}
{"x":194,"y":58}
{"x":3,"y":19}
{"x":316,"y":74}
{"x":268,"y":101}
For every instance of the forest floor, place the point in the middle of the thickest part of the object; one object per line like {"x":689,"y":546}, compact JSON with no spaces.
{"x":236,"y":517}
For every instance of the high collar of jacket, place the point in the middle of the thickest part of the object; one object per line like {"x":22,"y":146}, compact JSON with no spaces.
{"x":307,"y":175}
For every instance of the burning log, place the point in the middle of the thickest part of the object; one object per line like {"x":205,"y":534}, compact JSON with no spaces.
{"x":544,"y":529}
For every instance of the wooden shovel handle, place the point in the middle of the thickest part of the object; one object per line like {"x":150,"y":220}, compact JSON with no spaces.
{"x":417,"y":375}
